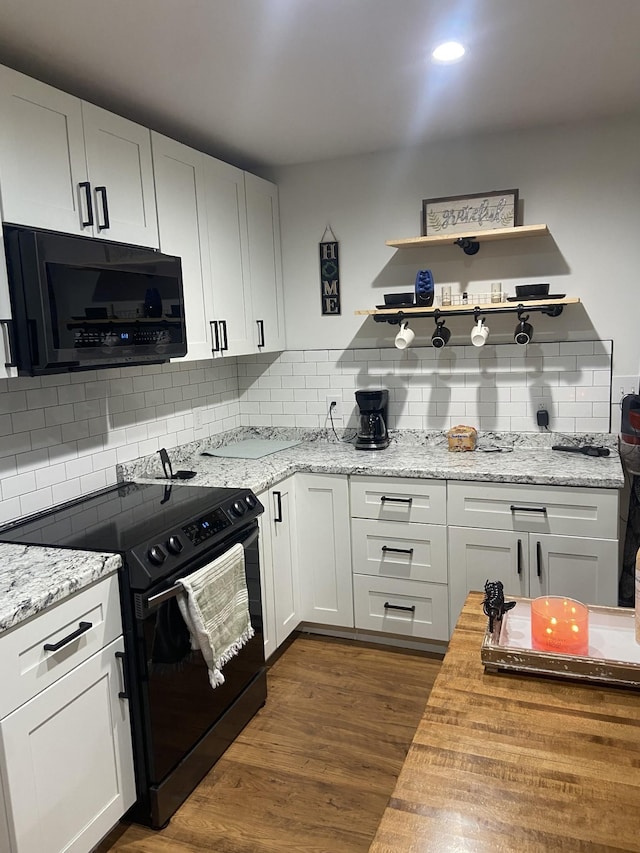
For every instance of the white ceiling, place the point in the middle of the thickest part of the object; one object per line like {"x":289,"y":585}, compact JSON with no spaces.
{"x":274,"y":82}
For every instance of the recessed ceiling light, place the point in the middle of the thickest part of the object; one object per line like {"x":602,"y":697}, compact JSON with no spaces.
{"x":450,"y":51}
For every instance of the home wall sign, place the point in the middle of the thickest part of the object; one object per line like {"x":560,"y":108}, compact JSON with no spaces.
{"x":477,"y":212}
{"x":329,"y":274}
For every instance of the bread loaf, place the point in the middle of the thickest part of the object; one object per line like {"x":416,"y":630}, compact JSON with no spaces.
{"x":462,"y":437}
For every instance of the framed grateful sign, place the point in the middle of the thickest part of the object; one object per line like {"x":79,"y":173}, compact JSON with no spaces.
{"x":464,"y":213}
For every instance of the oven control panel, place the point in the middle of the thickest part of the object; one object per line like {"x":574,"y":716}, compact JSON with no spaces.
{"x":173,"y":548}
{"x":207,"y":526}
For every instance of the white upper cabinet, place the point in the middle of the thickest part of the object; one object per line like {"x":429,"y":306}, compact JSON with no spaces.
{"x":121,"y":174}
{"x":73,"y":167}
{"x":231,"y":284}
{"x":265,"y":260}
{"x":224,"y":225}
{"x":182,"y":224}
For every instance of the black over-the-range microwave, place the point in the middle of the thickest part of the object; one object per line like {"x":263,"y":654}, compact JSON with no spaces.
{"x":81,"y":302}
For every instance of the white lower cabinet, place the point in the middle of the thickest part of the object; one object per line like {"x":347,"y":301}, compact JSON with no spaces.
{"x":519,"y":540}
{"x":324,"y":552}
{"x":399,"y":559}
{"x":279,"y":569}
{"x":66,"y":762}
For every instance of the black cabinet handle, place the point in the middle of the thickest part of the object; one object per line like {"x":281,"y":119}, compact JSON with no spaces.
{"x":12,"y":342}
{"x":515,"y":508}
{"x":86,"y":186}
{"x":224,"y":346}
{"x":83,"y":627}
{"x":396,"y":500}
{"x":388,"y":606}
{"x":260,"y":333}
{"x":519,"y":556}
{"x":102,"y":192}
{"x":408,"y":551}
{"x":539,"y":559}
{"x":124,"y":693}
{"x":215,"y":339}
{"x":278,"y":496}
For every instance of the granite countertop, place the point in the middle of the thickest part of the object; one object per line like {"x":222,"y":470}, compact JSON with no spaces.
{"x":33,"y":578}
{"x":533,"y":465}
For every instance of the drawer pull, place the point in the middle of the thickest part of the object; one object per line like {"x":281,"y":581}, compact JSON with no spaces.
{"x":411,"y":609}
{"x":515,"y":508}
{"x":519,"y":556}
{"x":396,"y":500}
{"x":83,"y":627}
{"x":408,"y":551}
{"x":124,"y":693}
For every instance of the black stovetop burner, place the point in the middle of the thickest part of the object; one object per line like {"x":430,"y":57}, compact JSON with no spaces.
{"x":118,"y":518}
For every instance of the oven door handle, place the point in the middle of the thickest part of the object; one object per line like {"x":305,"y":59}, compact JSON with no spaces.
{"x":155,"y":601}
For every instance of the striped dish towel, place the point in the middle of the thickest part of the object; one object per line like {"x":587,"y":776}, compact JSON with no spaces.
{"x":215,"y":607}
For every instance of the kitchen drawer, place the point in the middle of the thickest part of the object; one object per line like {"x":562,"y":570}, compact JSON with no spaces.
{"x":534,"y":509}
{"x":395,"y":549}
{"x":27,"y":668}
{"x":399,"y":499}
{"x":429,"y":619}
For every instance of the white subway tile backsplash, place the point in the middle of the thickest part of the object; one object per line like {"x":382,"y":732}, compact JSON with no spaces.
{"x":66,"y":433}
{"x":36,"y":501}
{"x":13,"y":401}
{"x":20,"y":484}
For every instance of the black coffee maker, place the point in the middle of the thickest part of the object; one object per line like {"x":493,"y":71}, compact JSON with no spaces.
{"x":372,"y":429}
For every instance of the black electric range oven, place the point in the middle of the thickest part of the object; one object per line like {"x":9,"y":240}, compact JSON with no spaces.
{"x":180,"y":725}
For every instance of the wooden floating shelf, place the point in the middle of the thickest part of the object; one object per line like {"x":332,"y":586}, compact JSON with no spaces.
{"x":475,"y":236}
{"x":487,"y":307}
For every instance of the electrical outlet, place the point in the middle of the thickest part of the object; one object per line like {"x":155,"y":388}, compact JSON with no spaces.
{"x":623,"y":385}
{"x":197,"y":418}
{"x":336,"y":410}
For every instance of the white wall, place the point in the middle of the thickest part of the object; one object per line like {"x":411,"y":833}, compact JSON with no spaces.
{"x":580,"y":180}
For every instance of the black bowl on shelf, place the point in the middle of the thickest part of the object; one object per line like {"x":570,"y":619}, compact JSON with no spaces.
{"x":532,"y":291}
{"x":391,"y":300}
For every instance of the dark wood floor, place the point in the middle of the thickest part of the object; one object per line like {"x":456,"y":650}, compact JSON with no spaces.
{"x":315,"y":767}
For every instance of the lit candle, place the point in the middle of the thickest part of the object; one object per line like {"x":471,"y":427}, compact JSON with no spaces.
{"x":559,"y":625}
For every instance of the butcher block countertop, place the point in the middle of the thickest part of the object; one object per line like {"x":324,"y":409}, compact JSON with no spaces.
{"x":504,"y":762}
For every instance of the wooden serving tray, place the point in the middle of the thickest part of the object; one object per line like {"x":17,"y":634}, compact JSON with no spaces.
{"x":614,"y":654}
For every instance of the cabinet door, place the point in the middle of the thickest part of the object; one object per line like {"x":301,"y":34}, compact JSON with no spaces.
{"x":266,"y":579}
{"x":265,"y":258}
{"x":182,"y":224}
{"x":228,"y":256}
{"x":119,"y":162}
{"x":324,"y":550}
{"x":476,"y":556}
{"x":286,"y":590}
{"x":42,"y":159}
{"x":584,"y":569}
{"x":67,"y":760}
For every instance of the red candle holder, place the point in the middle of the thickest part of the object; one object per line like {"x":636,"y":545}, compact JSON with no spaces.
{"x":559,"y":625}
